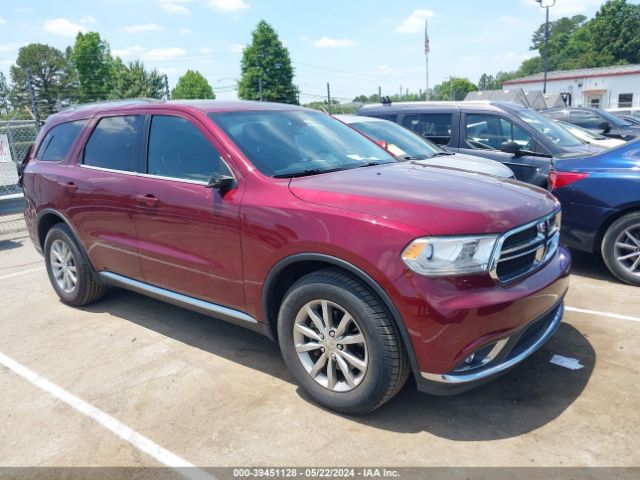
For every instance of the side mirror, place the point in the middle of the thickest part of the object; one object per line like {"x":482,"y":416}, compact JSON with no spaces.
{"x":222,"y":183}
{"x":510,"y":147}
{"x":605,"y":127}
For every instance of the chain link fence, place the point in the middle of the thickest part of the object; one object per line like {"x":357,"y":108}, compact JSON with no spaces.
{"x":16,"y":136}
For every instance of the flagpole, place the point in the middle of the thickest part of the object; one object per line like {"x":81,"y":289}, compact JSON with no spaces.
{"x":427,"y":94}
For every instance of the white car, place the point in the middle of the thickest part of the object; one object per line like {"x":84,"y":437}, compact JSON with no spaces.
{"x":590,"y":136}
{"x":406,"y":145}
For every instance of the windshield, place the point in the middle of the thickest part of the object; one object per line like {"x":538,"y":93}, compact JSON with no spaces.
{"x":579,"y":131}
{"x":294,"y":143}
{"x":400,"y":141}
{"x":612,"y":119}
{"x":554,"y":132}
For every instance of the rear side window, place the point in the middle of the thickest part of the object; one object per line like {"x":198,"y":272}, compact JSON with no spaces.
{"x":59,"y":140}
{"x":177,"y":149}
{"x":432,"y":126}
{"x":113,"y":143}
{"x":585,"y":118}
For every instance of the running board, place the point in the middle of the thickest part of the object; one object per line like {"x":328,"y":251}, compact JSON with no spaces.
{"x":206,"y":308}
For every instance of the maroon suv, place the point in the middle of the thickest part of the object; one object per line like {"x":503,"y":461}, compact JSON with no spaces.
{"x":288,"y":222}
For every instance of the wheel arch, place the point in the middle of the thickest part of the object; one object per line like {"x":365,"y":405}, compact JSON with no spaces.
{"x":289,"y":269}
{"x":610,"y":220}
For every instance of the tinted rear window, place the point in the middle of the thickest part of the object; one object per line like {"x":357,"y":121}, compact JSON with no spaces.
{"x":58,"y":141}
{"x":113,"y":143}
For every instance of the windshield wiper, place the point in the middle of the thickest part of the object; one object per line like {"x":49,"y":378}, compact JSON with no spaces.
{"x":415,"y":157}
{"x":442,"y":154}
{"x":307,"y":173}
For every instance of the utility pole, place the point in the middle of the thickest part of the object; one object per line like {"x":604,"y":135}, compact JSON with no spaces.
{"x":451,"y":89}
{"x":32,"y":95}
{"x":166,"y":88}
{"x":260,"y":88}
{"x":379,"y":93}
{"x":427,"y":48}
{"x":546,"y":42}
{"x":329,"y":97}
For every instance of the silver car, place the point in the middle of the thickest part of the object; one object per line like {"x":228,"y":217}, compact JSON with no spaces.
{"x":405,"y":144}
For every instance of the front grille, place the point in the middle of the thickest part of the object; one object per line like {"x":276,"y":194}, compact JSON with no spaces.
{"x":526,"y":248}
{"x":533,"y":332}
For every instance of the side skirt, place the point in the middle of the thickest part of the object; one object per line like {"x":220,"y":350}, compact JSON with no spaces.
{"x":206,"y":308}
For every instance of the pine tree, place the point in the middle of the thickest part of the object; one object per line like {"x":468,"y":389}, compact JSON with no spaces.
{"x":266,"y":65}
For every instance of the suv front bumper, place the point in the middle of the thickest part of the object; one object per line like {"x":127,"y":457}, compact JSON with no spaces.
{"x":507,"y":352}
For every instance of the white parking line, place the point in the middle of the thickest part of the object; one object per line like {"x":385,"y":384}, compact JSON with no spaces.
{"x":23,"y":272}
{"x":603,"y":314}
{"x":139,"y":441}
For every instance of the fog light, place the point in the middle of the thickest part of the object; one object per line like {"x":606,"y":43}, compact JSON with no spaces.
{"x":469,"y":359}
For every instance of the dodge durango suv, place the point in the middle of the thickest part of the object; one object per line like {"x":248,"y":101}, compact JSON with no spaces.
{"x":290,"y":223}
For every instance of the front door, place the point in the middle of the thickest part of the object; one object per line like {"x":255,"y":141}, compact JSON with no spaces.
{"x":483,"y":135}
{"x":188,"y":234}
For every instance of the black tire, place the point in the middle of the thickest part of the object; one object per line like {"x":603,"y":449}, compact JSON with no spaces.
{"x":86,"y":289}
{"x":388,"y":366}
{"x":631,"y":220}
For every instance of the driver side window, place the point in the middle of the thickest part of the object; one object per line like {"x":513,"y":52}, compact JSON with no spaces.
{"x":489,"y":132}
{"x":178,"y":149}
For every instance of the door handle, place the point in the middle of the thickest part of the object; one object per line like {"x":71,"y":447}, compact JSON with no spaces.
{"x":71,"y":187}
{"x":149,"y":200}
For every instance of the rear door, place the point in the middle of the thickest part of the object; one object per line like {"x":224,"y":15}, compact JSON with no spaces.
{"x":98,"y":192}
{"x":483,"y":135}
{"x":438,"y":127}
{"x":189,"y":235}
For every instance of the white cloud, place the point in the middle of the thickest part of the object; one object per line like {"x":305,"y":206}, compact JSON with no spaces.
{"x":88,"y":19}
{"x":151,"y":54}
{"x":414,"y":23}
{"x":326,"y":42}
{"x":185,"y":31}
{"x":228,"y":5}
{"x":62,"y":27}
{"x":175,"y":7}
{"x":8,"y":47}
{"x":469,"y":58}
{"x":168,"y":70}
{"x":237,"y":47}
{"x":2,"y":20}
{"x":567,"y":7}
{"x":206,"y":50}
{"x":147,"y":27}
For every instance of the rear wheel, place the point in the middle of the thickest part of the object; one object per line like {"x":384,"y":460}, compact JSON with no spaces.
{"x":621,"y":248}
{"x":340,"y":343}
{"x":69,"y":272}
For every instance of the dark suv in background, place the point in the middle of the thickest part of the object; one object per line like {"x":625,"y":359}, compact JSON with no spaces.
{"x":597,"y":120}
{"x":519,"y":137}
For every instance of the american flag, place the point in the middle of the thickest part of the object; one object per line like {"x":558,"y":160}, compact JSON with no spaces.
{"x":426,"y":37}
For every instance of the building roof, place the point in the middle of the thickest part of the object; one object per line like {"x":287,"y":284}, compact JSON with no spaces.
{"x":515,"y":95}
{"x":578,"y":74}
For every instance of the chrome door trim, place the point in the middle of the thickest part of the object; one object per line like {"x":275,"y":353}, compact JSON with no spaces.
{"x":178,"y":299}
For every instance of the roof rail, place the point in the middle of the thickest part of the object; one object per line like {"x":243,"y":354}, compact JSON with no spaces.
{"x":111,"y":103}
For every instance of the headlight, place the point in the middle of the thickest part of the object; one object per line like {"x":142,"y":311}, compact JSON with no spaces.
{"x":436,"y":256}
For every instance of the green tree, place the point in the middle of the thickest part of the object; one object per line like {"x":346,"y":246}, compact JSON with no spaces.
{"x":455,"y":88}
{"x":92,"y":60}
{"x":4,"y":94}
{"x":53,"y":78}
{"x":614,"y":33}
{"x":266,"y":61}
{"x":134,"y":81}
{"x":192,"y":85}
{"x":486,"y":82}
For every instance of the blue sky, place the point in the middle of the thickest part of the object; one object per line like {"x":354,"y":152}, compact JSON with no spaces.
{"x":353,"y":44}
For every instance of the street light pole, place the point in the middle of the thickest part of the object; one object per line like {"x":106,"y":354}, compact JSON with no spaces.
{"x":546,"y":42}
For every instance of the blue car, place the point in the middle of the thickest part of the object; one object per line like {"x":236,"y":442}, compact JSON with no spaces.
{"x":600,"y":197}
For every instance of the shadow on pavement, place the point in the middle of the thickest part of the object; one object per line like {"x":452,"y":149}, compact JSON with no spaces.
{"x":591,"y":266}
{"x":526,"y":398}
{"x":9,"y":244}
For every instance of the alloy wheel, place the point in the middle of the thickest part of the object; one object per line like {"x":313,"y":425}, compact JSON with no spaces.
{"x":63,"y":266}
{"x":330,"y":345}
{"x":627,"y":249}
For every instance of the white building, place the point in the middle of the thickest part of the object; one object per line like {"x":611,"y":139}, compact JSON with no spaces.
{"x":606,"y":87}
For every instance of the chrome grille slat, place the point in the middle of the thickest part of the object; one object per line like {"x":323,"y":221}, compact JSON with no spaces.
{"x":525,"y":249}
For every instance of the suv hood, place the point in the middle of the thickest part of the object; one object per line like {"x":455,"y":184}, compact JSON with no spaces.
{"x":434,"y":200}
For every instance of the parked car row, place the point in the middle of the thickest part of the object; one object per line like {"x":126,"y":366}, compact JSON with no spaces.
{"x":598,"y":120}
{"x":365,"y":267}
{"x":596,"y":177}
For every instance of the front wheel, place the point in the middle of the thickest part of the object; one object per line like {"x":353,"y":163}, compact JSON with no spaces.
{"x":621,"y":248}
{"x":340,"y":343}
